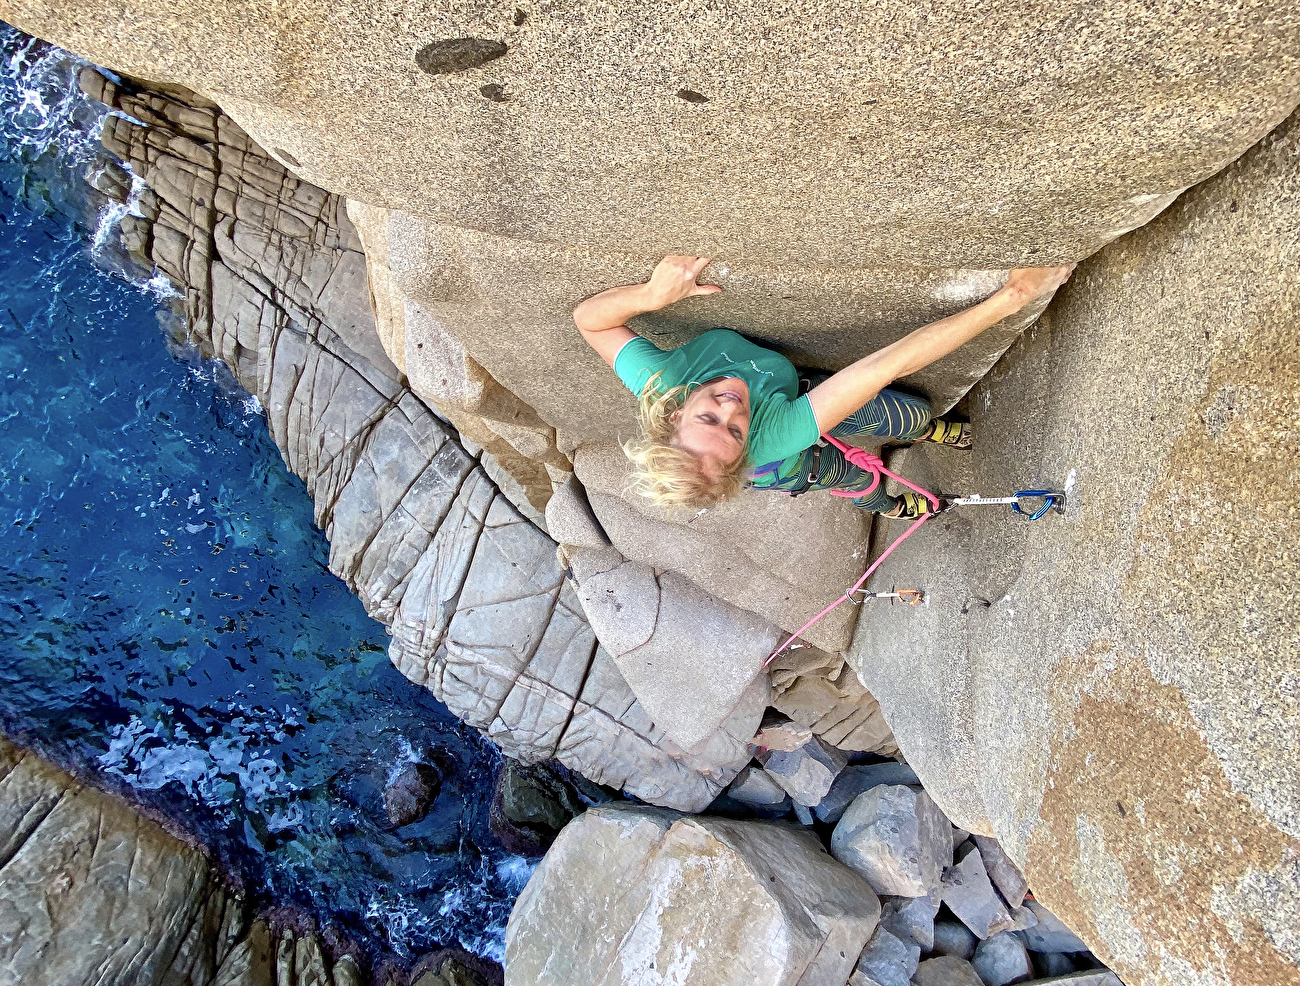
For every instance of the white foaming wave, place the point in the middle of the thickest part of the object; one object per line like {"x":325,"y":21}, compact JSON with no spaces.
{"x":162,"y":288}
{"x":43,"y":111}
{"x":42,"y":106}
{"x":111,"y":218}
{"x":213,"y":769}
{"x":516,"y":871}
{"x":483,"y":902}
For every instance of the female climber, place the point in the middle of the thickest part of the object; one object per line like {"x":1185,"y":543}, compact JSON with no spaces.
{"x":721,"y":411}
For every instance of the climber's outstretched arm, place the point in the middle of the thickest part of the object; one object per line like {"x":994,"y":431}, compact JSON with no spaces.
{"x":835,"y":399}
{"x":602,"y":318}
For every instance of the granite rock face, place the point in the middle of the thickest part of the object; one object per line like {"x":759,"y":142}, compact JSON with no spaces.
{"x":731,"y":133}
{"x":693,"y":661}
{"x":635,"y":895}
{"x":778,"y":556}
{"x":274,"y":284}
{"x":441,"y":373}
{"x":493,"y":291}
{"x":852,"y":183}
{"x":1117,"y":683}
{"x":483,"y":313}
{"x":1076,"y":693}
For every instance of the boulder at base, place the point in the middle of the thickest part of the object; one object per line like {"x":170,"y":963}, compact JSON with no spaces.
{"x":897,"y":838}
{"x":1126,"y":710}
{"x":641,"y":895}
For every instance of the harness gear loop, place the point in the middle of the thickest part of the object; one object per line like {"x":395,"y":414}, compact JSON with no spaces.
{"x":873,"y":464}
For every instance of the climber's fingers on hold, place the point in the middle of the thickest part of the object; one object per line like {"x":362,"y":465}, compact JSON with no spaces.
{"x":1035,"y":282}
{"x":698,"y":264}
{"x":674,"y":279}
{"x":1056,"y":276}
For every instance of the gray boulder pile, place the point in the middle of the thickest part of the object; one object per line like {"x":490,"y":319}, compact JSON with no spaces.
{"x":630,"y":895}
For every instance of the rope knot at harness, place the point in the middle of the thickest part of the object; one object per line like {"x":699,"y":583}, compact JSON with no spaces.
{"x":875,"y":465}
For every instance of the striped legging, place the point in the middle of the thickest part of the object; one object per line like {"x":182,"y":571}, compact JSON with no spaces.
{"x":890,"y":414}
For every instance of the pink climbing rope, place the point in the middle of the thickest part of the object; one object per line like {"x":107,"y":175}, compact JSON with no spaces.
{"x":873,"y":464}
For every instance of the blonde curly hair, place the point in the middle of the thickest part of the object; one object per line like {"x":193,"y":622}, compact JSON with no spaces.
{"x":666,"y":474}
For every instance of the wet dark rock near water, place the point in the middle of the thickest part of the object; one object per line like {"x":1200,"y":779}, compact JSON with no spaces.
{"x":410,"y":793}
{"x":530,"y":804}
{"x":454,"y":968}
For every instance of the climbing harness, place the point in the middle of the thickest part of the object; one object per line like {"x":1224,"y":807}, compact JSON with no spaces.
{"x":873,"y":464}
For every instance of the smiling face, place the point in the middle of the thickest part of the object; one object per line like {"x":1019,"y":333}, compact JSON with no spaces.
{"x":713,"y":424}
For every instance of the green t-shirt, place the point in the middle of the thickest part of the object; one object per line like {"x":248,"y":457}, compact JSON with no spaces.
{"x":781,"y":422}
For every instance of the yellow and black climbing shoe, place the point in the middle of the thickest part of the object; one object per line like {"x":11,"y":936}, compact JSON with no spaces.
{"x":954,"y":434}
{"x":910,"y":506}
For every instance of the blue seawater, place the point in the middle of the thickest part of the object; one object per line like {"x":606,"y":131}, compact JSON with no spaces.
{"x":167,"y":618}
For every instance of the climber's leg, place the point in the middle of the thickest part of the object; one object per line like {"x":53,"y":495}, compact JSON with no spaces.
{"x":890,"y":414}
{"x":954,"y":434}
